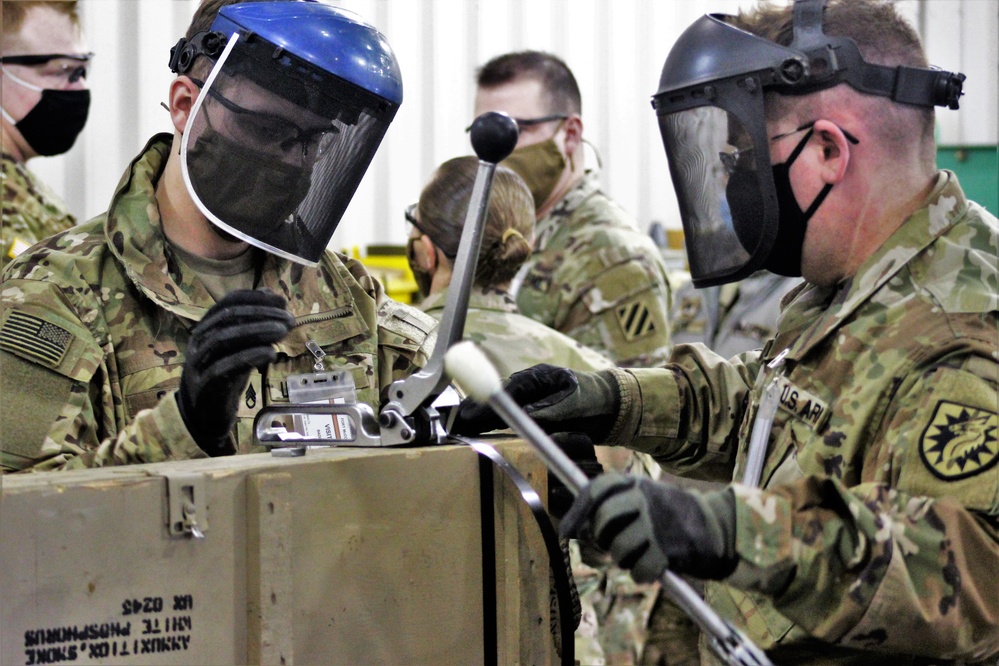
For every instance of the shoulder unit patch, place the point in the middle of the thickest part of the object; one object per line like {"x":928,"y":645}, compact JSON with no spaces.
{"x":636,"y":321}
{"x":960,"y":441}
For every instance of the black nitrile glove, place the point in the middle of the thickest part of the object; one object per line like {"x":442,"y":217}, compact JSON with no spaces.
{"x":580,"y":449}
{"x":649,"y":525}
{"x":235,"y":336}
{"x":559,"y":399}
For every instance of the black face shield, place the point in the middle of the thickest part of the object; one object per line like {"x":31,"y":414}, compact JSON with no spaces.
{"x":712,"y":120}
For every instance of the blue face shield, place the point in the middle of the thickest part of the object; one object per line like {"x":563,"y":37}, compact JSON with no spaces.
{"x":287,"y":121}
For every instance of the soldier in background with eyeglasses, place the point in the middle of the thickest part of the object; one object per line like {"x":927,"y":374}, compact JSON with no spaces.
{"x":45,"y":100}
{"x":593,"y":275}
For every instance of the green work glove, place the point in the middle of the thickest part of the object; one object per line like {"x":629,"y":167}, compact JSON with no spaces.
{"x":559,"y":399}
{"x":649,"y":525}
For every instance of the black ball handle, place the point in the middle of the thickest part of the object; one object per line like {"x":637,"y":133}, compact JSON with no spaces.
{"x":494,"y":136}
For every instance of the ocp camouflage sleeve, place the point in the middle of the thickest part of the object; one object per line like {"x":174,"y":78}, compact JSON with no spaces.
{"x":84,"y":426}
{"x":686,"y":415}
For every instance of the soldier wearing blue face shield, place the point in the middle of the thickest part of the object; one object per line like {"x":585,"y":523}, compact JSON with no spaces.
{"x":860,"y":444}
{"x":158,"y":330}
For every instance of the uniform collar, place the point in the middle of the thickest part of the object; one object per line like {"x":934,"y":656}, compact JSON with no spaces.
{"x":554,"y":221}
{"x":945,"y":207}
{"x":489,"y":298}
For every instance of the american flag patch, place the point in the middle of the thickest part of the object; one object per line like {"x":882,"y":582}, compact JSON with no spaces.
{"x":26,"y":335}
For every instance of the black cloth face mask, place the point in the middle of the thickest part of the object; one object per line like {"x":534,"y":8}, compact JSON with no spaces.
{"x":248,"y":190}
{"x":746,"y":205}
{"x":51,"y":127}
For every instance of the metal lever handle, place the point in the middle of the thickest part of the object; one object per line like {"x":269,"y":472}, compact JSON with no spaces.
{"x":470,"y":366}
{"x":727,"y":642}
{"x":494,"y":136}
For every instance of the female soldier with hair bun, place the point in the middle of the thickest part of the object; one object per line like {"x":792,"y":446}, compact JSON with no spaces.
{"x":512,"y":341}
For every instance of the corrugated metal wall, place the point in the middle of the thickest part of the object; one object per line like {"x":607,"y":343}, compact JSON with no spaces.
{"x":615,"y":48}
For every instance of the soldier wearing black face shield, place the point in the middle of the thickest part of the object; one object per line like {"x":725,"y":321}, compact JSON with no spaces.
{"x":45,"y":101}
{"x":860,"y":445}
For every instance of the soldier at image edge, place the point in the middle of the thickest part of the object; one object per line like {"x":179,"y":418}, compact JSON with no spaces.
{"x":860,"y":522}
{"x":46,"y":101}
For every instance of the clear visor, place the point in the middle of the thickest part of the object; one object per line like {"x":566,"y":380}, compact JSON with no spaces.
{"x":725,"y":192}
{"x":274,"y":151}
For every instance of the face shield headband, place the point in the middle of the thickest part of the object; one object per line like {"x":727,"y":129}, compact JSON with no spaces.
{"x":711,"y":112}
{"x":273,"y":149}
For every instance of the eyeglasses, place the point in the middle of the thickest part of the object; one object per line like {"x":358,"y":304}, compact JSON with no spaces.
{"x":260,"y":129}
{"x":731,"y":161}
{"x":531,"y":122}
{"x":410,"y":214}
{"x":72,"y":68}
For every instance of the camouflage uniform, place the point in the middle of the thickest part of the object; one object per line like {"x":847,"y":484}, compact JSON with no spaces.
{"x":877,"y":529}
{"x":102,"y":314}
{"x":31,"y":211}
{"x":594,"y":277}
{"x":731,"y":318}
{"x":512,"y":341}
{"x":728,"y":319}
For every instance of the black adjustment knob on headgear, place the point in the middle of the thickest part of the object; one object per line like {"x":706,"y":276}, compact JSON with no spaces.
{"x":949,"y":89}
{"x":494,"y":136}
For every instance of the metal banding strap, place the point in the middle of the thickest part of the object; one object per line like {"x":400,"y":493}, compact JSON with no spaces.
{"x":490,"y":641}
{"x":533,"y":501}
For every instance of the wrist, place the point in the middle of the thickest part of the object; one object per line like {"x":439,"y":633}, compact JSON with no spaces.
{"x":629,"y":412}
{"x":718,"y":507}
{"x":172,"y":431}
{"x":212,"y":444}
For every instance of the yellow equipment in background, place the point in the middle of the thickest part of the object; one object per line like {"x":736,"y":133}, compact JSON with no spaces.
{"x":388,"y":264}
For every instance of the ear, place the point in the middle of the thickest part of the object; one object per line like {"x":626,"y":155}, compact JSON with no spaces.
{"x":573,"y":134}
{"x":183,"y":93}
{"x":835,"y":151}
{"x":428,"y":256}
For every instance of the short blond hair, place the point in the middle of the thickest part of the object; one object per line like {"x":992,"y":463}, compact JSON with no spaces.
{"x":14,"y":12}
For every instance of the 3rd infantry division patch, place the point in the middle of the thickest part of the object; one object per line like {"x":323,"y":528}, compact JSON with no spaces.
{"x":960,"y":441}
{"x":635,"y":320}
